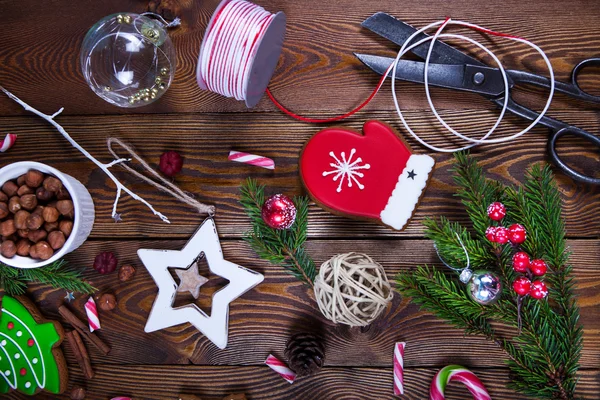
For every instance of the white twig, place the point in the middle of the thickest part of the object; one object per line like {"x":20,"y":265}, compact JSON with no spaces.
{"x":103,"y":167}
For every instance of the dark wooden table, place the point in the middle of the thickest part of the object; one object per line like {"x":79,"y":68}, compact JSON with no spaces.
{"x":317,"y":75}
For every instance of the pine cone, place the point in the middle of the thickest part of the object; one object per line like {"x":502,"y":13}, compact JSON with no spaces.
{"x":305,"y":353}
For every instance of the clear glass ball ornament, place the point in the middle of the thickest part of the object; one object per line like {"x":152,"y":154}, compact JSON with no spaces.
{"x":128,"y":59}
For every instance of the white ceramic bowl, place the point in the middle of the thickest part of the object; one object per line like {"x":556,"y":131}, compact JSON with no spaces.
{"x":83,"y":205}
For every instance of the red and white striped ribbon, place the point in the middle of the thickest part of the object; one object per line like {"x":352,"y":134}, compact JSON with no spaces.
{"x":8,"y":142}
{"x":280,"y":368}
{"x":251,"y":159}
{"x":230,"y":46}
{"x":399,"y":368}
{"x":92,"y":314}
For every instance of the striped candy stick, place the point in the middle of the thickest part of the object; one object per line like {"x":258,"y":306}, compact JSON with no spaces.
{"x":460,"y":374}
{"x":8,"y":142}
{"x":251,"y":159}
{"x":92,"y":314}
{"x":280,"y":368}
{"x":399,"y":368}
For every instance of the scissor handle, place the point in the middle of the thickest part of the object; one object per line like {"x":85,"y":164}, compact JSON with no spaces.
{"x":580,"y":133}
{"x":575,"y":75}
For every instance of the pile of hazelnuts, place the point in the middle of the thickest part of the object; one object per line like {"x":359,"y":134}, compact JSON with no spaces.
{"x":36,"y":214}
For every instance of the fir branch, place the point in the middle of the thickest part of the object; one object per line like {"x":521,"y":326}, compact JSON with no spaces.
{"x":279,"y":247}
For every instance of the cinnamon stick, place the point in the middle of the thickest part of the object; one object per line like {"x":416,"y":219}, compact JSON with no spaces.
{"x":82,"y":328}
{"x":81,"y":353}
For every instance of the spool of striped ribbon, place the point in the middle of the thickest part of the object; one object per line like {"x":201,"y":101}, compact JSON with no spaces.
{"x":240,"y":50}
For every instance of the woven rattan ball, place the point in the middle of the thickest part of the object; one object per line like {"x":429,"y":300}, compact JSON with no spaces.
{"x":352,"y":289}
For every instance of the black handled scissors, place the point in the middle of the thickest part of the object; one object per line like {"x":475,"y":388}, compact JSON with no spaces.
{"x":451,"y":68}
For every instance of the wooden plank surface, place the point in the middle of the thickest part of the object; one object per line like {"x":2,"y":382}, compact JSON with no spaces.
{"x":317,"y":75}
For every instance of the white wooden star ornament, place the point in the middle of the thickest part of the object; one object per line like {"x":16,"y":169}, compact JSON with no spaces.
{"x":164,"y":315}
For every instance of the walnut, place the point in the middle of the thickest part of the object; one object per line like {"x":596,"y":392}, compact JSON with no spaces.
{"x":41,"y":251}
{"x":126,"y":273}
{"x":24,"y":189}
{"x":10,"y":188}
{"x":108,"y":302}
{"x":3,"y":210}
{"x":37,"y":235}
{"x":51,"y":226}
{"x":21,"y":219}
{"x":56,"y":239}
{"x":23,"y":246}
{"x":34,"y":221}
{"x":43,"y":194}
{"x":14,"y":204}
{"x":65,"y":207}
{"x":52,"y":184}
{"x":50,"y":214}
{"x":8,"y":249}
{"x":28,"y":202}
{"x":34,"y":178}
{"x":7,"y":228}
{"x":65,"y":227}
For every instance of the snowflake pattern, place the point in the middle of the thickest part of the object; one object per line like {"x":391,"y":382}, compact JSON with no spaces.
{"x":347,"y":169}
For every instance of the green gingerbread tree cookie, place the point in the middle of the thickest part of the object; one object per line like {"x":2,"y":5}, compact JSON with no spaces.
{"x":27,"y":359}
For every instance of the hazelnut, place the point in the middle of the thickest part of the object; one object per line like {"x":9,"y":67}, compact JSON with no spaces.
{"x":50,"y":214}
{"x":52,"y":184}
{"x":23,"y":246}
{"x":10,"y":188}
{"x":108,"y":302}
{"x":63,"y":194}
{"x":8,"y":249}
{"x":65,"y":227}
{"x":3,"y":210}
{"x":10,"y":237}
{"x":3,"y":197}
{"x":37,"y":235}
{"x":41,"y":251}
{"x":24,"y":189}
{"x":21,"y":219}
{"x":51,"y":226}
{"x":23,"y":233}
{"x":14,"y":204}
{"x":126,"y":273}
{"x":78,"y":393}
{"x":39,"y":210}
{"x":56,"y":239}
{"x":21,"y":180}
{"x":34,"y":221}
{"x":34,"y":178}
{"x":64,"y":206}
{"x":43,"y":195}
{"x":7,"y":227}
{"x":28,"y":202}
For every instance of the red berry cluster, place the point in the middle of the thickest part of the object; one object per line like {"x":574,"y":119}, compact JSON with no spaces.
{"x":516,"y":234}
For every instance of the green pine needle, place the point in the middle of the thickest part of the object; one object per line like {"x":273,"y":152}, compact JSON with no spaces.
{"x":279,"y":247}
{"x":544,"y":357}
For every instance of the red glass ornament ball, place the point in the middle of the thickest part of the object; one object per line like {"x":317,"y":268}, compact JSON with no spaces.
{"x":496,"y":211}
{"x":539,"y":290}
{"x":502,"y":235}
{"x":517,"y":233}
{"x":170,"y":163}
{"x":538,"y":267}
{"x":522,"y":286}
{"x":279,"y":212}
{"x":521,"y":261}
{"x":490,"y":233}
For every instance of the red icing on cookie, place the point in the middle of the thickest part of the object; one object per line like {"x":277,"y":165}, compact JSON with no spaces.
{"x":356,"y":174}
{"x":23,"y":372}
{"x":10,"y":325}
{"x":30,"y":342}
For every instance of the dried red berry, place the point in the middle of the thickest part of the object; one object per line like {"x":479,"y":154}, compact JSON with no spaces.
{"x":539,"y":290}
{"x":521,"y":261}
{"x":501,"y":235}
{"x":496,"y":211}
{"x":105,"y":262}
{"x":517,"y":233}
{"x":170,"y":163}
{"x":538,"y":267}
{"x":490,"y":234}
{"x":522,"y":286}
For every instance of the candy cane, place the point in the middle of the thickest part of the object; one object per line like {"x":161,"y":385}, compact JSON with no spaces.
{"x":280,"y":368}
{"x":460,"y":374}
{"x":8,"y":142}
{"x":399,"y":368}
{"x":92,"y":314}
{"x":251,"y":159}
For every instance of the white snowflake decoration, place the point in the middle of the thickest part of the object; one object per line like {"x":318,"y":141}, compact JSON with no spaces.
{"x":347,"y":169}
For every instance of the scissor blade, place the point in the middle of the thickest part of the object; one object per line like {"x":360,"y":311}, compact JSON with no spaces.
{"x":451,"y":76}
{"x":398,"y":32}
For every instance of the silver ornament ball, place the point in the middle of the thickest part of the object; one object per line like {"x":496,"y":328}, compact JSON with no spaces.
{"x":484,"y":287}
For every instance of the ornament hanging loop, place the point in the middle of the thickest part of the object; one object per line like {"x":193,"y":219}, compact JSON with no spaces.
{"x":465,"y":273}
